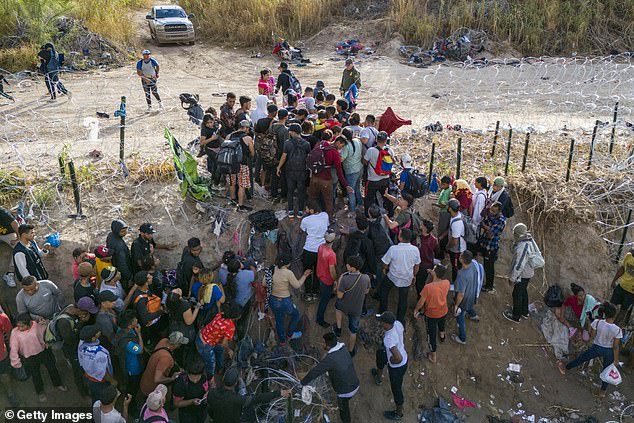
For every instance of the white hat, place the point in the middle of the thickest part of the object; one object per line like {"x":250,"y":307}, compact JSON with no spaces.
{"x":406,"y":159}
{"x":156,"y":399}
{"x":145,"y":52}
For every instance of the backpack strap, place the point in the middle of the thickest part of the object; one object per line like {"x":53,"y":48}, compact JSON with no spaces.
{"x":354,"y":284}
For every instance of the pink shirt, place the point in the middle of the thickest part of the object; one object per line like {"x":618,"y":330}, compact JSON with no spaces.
{"x":26,"y":343}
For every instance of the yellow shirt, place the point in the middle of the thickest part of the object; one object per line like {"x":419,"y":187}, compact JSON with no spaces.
{"x":99,"y":266}
{"x":627,"y":280}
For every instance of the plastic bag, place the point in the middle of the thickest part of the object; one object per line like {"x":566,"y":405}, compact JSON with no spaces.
{"x":611,"y":375}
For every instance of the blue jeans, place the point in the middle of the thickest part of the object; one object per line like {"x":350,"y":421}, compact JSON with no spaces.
{"x":462,"y":327}
{"x":210,"y":355}
{"x":606,"y":354}
{"x":282,"y":307}
{"x":325,"y":292}
{"x":354,"y":198}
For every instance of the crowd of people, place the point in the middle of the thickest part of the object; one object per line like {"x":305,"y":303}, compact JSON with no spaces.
{"x":168,"y":339}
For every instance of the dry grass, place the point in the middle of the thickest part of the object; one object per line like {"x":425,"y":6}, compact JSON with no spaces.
{"x":251,"y":22}
{"x":538,"y":27}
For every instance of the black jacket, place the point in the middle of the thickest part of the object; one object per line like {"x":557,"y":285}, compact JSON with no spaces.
{"x":359,"y":244}
{"x":34,"y":263}
{"x":224,"y":406}
{"x":379,"y":238}
{"x":184,"y":269}
{"x":120,"y":251}
{"x":284,"y":81}
{"x":340,"y":369}
{"x":507,"y":204}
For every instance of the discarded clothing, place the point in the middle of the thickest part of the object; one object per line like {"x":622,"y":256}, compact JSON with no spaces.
{"x":439,"y":414}
{"x":390,"y":121}
{"x":462,"y":403}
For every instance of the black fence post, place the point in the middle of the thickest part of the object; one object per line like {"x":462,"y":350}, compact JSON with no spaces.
{"x":528,"y":138}
{"x":508,"y":152}
{"x":73,"y":181}
{"x":495,"y":137}
{"x":594,"y":137}
{"x":458,"y":158}
{"x":624,"y":236}
{"x":572,"y":149}
{"x":431,"y":163}
{"x":616,"y":112}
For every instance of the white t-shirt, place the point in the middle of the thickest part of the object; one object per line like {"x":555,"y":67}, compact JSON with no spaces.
{"x":370,"y":133}
{"x":401,"y":258}
{"x":371,"y":156}
{"x":315,"y":227}
{"x":356,"y":130}
{"x":456,"y":230}
{"x":112,"y":417}
{"x":606,"y":333}
{"x":479,"y":201}
{"x":394,"y":337}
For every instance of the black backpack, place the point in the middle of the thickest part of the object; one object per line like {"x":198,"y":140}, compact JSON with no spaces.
{"x":188,"y":100}
{"x":296,"y":157}
{"x":417,"y":184}
{"x":230,"y":155}
{"x":295,"y":84}
{"x":263,"y":220}
{"x":553,"y":296}
{"x":316,"y":159}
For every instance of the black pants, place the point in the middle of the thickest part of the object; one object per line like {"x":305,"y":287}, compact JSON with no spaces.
{"x":434,"y":325}
{"x":374,"y":187}
{"x":78,"y":373}
{"x":396,"y":376}
{"x":455,"y":265}
{"x":212,"y":166}
{"x":489,"y":258}
{"x":386,"y":287}
{"x":520,"y":298}
{"x":296,"y":184}
{"x":274,"y":181}
{"x":344,"y":409}
{"x":32,"y":366}
{"x":150,"y":88}
{"x":309,"y":261}
{"x":421,"y":279}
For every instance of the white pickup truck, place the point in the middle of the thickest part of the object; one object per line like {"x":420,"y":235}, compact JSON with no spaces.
{"x":170,"y":24}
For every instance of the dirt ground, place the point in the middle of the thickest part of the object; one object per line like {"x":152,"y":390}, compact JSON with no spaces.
{"x":34,"y":131}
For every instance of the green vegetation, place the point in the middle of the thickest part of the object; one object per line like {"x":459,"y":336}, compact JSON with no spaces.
{"x":27,"y":24}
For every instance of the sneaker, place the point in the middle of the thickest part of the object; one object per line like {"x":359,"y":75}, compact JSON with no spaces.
{"x":509,"y":316}
{"x":243,"y":209}
{"x":300,"y":214}
{"x":277,"y":200}
{"x":62,"y":388}
{"x":323,"y":324}
{"x":353,"y":352}
{"x":149,"y":109}
{"x":9,"y":279}
{"x":457,"y":339}
{"x":375,"y":375}
{"x":161,"y":105}
{"x":489,"y":290}
{"x":475,"y":318}
{"x":41,"y":398}
{"x":336,"y":331}
{"x":524,"y":316}
{"x":392,"y":415}
{"x":291,"y":214}
{"x":296,"y":335}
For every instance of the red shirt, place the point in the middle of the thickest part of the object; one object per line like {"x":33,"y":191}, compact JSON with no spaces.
{"x":332,"y":159}
{"x":428,"y":249}
{"x":217,"y":330}
{"x":574,"y":305}
{"x":326,"y":257}
{"x":5,"y":329}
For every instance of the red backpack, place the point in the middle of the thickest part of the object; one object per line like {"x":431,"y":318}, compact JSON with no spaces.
{"x":384,"y":162}
{"x":316,"y":159}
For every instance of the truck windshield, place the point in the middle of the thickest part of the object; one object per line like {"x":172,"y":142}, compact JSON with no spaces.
{"x":170,"y":13}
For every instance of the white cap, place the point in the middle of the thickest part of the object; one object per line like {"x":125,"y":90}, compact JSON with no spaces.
{"x":406,"y":159}
{"x":145,"y":52}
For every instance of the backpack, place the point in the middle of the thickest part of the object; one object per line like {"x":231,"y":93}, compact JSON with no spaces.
{"x":488,"y":202}
{"x":263,"y":220}
{"x":295,"y":157}
{"x":229,"y":157}
{"x":353,"y":246}
{"x":267,"y":147}
{"x":51,"y":337}
{"x":417,"y":184}
{"x":470,"y":229}
{"x":382,"y":242}
{"x":151,"y":419}
{"x":507,"y":207}
{"x":295,"y":84}
{"x":188,"y":100}
{"x":535,"y":258}
{"x":180,"y":276}
{"x":554,"y":297}
{"x":153,"y":302}
{"x":316,"y":159}
{"x":384,"y":162}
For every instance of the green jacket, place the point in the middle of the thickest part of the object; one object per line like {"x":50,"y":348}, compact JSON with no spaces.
{"x":352,"y":76}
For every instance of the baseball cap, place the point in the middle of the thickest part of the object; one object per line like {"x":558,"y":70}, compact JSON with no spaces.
{"x":146,"y":51}
{"x":87,"y":333}
{"x":147,"y":228}
{"x":102,"y":252}
{"x":107,"y":296}
{"x":177,"y":338}
{"x":295,"y":127}
{"x":453,"y":204}
{"x":349,"y":62}
{"x":231,"y":376}
{"x":156,"y":399}
{"x":245,"y":124}
{"x":499,"y":181}
{"x":406,"y":159}
{"x":107,"y":273}
{"x":87,"y":304}
{"x":387,"y":317}
{"x":382,"y":136}
{"x":330,"y":236}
